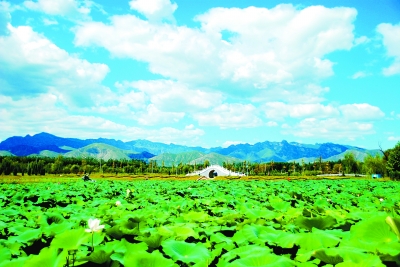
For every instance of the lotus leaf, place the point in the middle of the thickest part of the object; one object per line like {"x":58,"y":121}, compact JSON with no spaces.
{"x":317,"y":239}
{"x":195,"y":216}
{"x":28,"y":237}
{"x":373,"y":234}
{"x":328,"y":255}
{"x":320,"y":222}
{"x":70,"y":239}
{"x":5,"y":253}
{"x":46,"y":257}
{"x":14,"y":263}
{"x":183,"y":232}
{"x":145,"y":259}
{"x":394,"y":224}
{"x":99,"y":256}
{"x":265,"y":260}
{"x":258,"y":234}
{"x":244,"y":252}
{"x":153,"y":241}
{"x":185,"y":252}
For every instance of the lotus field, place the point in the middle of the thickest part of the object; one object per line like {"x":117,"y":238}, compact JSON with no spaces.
{"x":221,"y":223}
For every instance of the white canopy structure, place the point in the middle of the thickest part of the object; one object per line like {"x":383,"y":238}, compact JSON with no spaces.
{"x":213,"y":171}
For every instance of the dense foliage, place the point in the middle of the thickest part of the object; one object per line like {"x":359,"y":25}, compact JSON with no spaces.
{"x":206,"y":223}
{"x":386,"y":165}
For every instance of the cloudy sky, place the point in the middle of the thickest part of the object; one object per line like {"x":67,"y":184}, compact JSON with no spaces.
{"x":202,"y":73}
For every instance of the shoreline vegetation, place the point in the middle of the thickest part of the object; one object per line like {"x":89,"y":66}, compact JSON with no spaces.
{"x":141,"y":177}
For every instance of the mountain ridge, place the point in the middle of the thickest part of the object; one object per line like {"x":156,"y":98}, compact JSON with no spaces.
{"x":147,"y":150}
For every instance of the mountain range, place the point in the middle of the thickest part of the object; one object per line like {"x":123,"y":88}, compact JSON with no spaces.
{"x":45,"y":144}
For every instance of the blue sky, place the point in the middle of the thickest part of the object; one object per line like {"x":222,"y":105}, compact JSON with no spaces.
{"x":202,"y":73}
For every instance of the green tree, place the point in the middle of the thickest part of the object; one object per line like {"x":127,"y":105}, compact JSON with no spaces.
{"x":374,"y":165}
{"x":393,"y":163}
{"x":350,"y":162}
{"x":74,"y":169}
{"x":206,"y":163}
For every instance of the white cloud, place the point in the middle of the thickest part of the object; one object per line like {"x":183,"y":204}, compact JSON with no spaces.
{"x":33,"y":65}
{"x":281,"y":45}
{"x":349,"y":112}
{"x":21,"y":116}
{"x":280,"y":110}
{"x":293,"y":94}
{"x":49,"y":22}
{"x":154,"y":116}
{"x":154,"y":9}
{"x":272,"y":124}
{"x":230,"y":116}
{"x":359,"y":74}
{"x":331,"y":128}
{"x":67,"y":8}
{"x":5,"y":17}
{"x":394,"y":138}
{"x":172,"y":51}
{"x":361,"y":40}
{"x":391,"y":40}
{"x":169,"y":95}
{"x":361,"y":112}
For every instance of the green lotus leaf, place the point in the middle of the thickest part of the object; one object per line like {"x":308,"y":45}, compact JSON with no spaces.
{"x":8,"y":214}
{"x":194,"y":216}
{"x":260,"y":234}
{"x":19,"y":262}
{"x":220,"y":238}
{"x":185,"y":252}
{"x":279,"y":205}
{"x":5,"y":253}
{"x":394,"y":224}
{"x":287,"y":240}
{"x":306,"y":264}
{"x":258,"y":213}
{"x":218,"y":248}
{"x":145,"y":259}
{"x":124,"y":246}
{"x":129,"y":227}
{"x":244,"y":252}
{"x":3,"y":225}
{"x":14,"y":247}
{"x":153,"y":241}
{"x":46,"y":257}
{"x":115,"y":232}
{"x":99,"y":256}
{"x":183,"y":232}
{"x":320,"y":222}
{"x":97,"y":238}
{"x":28,"y":237}
{"x":351,"y":256}
{"x":265,"y":260}
{"x":374,"y":233}
{"x":240,"y":239}
{"x":18,"y":228}
{"x":54,"y":218}
{"x":165,"y":231}
{"x":70,"y":239}
{"x":317,"y":239}
{"x":328,"y":255}
{"x":366,"y":260}
{"x":55,"y":229}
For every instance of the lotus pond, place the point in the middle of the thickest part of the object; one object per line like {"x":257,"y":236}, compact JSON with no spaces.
{"x":204,"y":223}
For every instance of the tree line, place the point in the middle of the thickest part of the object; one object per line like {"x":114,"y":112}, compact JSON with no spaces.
{"x":386,"y":164}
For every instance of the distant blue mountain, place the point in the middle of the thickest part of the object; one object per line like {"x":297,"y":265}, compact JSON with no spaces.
{"x":144,"y":149}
